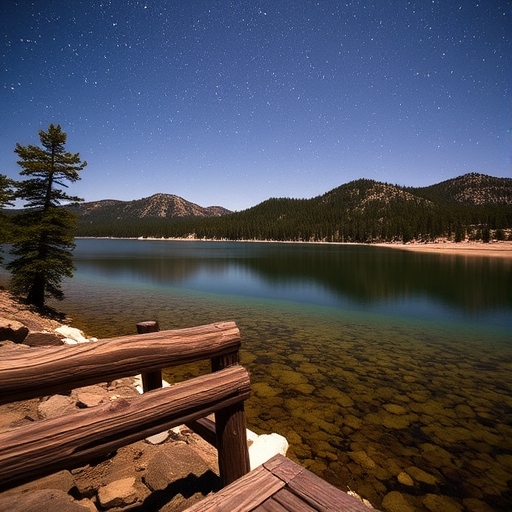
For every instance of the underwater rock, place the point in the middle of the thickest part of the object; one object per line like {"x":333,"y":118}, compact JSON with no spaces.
{"x":363,"y":459}
{"x":436,"y":502}
{"x":395,"y":502}
{"x":395,"y":409}
{"x":421,"y":476}
{"x":405,"y":479}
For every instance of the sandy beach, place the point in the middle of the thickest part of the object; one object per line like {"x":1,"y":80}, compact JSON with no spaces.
{"x":495,"y":249}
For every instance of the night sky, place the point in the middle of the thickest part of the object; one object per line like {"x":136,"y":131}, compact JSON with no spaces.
{"x":232,"y":102}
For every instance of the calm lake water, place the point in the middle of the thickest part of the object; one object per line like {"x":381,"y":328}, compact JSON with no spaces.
{"x":388,"y":371}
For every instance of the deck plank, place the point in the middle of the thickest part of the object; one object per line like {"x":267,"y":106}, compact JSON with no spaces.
{"x":291,"y":502}
{"x":280,"y":485}
{"x":283,"y":468}
{"x":243,"y":495}
{"x":323,"y":496}
{"x":270,"y":505}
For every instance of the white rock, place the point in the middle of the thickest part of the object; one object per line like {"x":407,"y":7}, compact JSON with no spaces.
{"x":158,"y":438}
{"x":71,"y":333}
{"x":264,"y":447}
{"x":137,"y":382}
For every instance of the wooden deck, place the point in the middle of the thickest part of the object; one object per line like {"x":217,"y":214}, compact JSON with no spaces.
{"x":279,"y":485}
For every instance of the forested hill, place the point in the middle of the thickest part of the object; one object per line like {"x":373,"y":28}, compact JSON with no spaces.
{"x":474,"y":205}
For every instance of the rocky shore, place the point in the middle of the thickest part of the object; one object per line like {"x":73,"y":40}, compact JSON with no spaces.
{"x":168,"y":472}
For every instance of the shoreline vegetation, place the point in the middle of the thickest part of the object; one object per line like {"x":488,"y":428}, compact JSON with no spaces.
{"x":497,"y":249}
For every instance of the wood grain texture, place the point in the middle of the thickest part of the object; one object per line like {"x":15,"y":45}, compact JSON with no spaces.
{"x":263,"y":490}
{"x":70,"y":441}
{"x":49,"y":370}
{"x":150,"y":380}
{"x":283,"y":468}
{"x":243,"y":495}
{"x":322,"y":496}
{"x":291,"y":502}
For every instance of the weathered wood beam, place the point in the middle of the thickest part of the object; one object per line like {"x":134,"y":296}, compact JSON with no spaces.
{"x":205,"y":428}
{"x":70,"y":441}
{"x":150,"y":380}
{"x":49,"y":370}
{"x":231,"y":431}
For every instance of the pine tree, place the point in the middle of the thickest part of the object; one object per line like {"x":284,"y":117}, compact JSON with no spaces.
{"x":43,"y":242}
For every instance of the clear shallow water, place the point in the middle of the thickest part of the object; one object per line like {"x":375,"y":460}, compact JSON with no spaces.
{"x":389,"y":372}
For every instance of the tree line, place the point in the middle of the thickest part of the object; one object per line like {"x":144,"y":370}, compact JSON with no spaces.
{"x":334,"y":220}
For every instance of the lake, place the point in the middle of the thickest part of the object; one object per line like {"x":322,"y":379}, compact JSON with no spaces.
{"x":388,"y":371}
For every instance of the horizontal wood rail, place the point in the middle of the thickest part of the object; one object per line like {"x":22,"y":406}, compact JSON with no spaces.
{"x":49,"y":370}
{"x":70,"y":441}
{"x":46,"y":446}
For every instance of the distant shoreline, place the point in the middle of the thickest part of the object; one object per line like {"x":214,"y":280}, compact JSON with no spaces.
{"x":500,"y":249}
{"x":494,"y":249}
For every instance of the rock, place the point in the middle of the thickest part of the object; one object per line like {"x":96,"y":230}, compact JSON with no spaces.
{"x":264,"y":447}
{"x":47,"y":500}
{"x":71,"y":335}
{"x":363,"y":459}
{"x":395,"y":409}
{"x":11,"y":330}
{"x":56,"y":406}
{"x":42,"y":339}
{"x":119,"y":493}
{"x":421,"y":476}
{"x":158,"y":438}
{"x":60,"y":481}
{"x":395,"y":502}
{"x":440,"y":503}
{"x":87,"y":504}
{"x":405,"y":479}
{"x":84,"y":400}
{"x":172,"y":463}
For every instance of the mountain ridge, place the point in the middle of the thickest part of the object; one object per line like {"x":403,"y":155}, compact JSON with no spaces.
{"x":364,"y":210}
{"x":480,"y":189}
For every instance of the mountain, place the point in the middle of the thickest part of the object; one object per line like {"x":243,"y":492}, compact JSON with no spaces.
{"x":472,"y":206}
{"x":158,"y":206}
{"x":473,"y":188}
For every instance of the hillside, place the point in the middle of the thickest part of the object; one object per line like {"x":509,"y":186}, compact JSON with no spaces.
{"x":472,"y":206}
{"x":473,"y":188}
{"x":162,"y":206}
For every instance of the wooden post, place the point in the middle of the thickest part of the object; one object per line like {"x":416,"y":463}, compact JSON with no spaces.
{"x":231,"y":431}
{"x":230,"y":422}
{"x":150,"y":380}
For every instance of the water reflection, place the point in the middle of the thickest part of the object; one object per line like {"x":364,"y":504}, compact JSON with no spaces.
{"x":318,"y":274}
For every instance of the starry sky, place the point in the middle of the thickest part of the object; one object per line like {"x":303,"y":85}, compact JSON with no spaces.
{"x":229,"y":103}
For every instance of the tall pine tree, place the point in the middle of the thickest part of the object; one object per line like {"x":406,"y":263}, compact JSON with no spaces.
{"x":43,"y":240}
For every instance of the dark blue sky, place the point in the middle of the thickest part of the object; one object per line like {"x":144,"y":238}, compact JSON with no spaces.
{"x":232,"y":102}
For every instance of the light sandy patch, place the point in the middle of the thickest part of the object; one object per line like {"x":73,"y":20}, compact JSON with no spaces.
{"x":495,"y":250}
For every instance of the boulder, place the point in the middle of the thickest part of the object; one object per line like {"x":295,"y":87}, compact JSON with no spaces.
{"x":42,"y":339}
{"x":174,"y":462}
{"x":71,"y":335}
{"x":11,"y":330}
{"x":47,"y":500}
{"x":395,"y":502}
{"x":119,"y":493}
{"x":60,"y":481}
{"x":56,"y":406}
{"x":264,"y":447}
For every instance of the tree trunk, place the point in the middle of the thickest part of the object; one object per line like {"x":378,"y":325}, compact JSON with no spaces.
{"x":36,"y":293}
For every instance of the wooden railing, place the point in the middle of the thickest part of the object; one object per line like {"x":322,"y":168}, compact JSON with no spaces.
{"x":70,"y":441}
